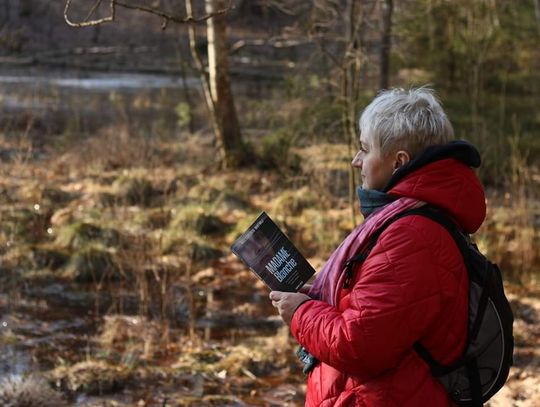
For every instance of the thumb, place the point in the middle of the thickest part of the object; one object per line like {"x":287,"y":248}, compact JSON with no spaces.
{"x":275,"y":295}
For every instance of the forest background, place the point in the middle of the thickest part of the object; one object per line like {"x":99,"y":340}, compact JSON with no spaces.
{"x":133,"y":152}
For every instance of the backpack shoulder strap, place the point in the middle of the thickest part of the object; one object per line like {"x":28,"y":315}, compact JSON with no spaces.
{"x":426,"y":211}
{"x":431,"y":212}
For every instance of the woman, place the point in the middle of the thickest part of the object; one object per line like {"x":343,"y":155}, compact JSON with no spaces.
{"x":413,"y":286}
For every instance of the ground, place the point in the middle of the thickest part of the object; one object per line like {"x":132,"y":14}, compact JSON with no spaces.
{"x":118,"y":285}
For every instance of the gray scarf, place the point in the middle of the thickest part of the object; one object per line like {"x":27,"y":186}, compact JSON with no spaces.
{"x":371,"y":200}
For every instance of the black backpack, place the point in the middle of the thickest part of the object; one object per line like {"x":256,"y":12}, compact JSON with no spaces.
{"x":484,"y":366}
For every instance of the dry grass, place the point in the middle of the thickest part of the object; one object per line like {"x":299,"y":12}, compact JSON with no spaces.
{"x":164,"y":224}
{"x":511,"y":233}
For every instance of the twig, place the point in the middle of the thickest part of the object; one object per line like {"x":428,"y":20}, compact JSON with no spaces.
{"x":248,"y":373}
{"x":93,"y":9}
{"x":189,"y":19}
{"x":92,"y":22}
{"x":282,"y":8}
{"x":168,"y":17}
{"x":330,"y":56}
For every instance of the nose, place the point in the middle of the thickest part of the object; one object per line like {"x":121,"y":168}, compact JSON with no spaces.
{"x":357,"y":160}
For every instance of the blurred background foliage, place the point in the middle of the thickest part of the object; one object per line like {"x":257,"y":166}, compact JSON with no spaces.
{"x":116,"y":213}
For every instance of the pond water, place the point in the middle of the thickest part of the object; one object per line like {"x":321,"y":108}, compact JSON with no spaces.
{"x":30,"y":328}
{"x":64,"y":102}
{"x":51,"y":324}
{"x":14,"y":361}
{"x":68,"y":101}
{"x":45,"y":316}
{"x":100,"y":81}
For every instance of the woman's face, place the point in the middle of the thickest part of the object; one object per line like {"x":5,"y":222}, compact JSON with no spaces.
{"x":375,"y":169}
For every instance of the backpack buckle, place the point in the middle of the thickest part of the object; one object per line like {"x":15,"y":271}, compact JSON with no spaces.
{"x":359,"y":258}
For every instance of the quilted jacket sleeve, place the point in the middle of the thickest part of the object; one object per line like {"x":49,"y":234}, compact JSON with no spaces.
{"x":395,"y":299}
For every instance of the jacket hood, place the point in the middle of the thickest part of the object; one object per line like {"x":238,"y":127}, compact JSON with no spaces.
{"x":442,"y":176}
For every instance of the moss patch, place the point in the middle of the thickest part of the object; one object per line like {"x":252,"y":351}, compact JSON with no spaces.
{"x":79,"y":234}
{"x":293,"y":202}
{"x":24,"y":224}
{"x":218,"y":197}
{"x":134,"y":190}
{"x":49,"y":258}
{"x":197,"y":219}
{"x":92,"y":264}
{"x":189,"y":246}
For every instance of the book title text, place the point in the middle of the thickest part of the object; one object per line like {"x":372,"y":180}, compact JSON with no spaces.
{"x":281,"y":264}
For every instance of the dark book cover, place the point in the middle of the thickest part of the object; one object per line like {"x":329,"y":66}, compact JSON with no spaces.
{"x":265,"y":249}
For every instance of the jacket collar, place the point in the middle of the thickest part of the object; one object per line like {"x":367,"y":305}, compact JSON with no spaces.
{"x":460,"y":150}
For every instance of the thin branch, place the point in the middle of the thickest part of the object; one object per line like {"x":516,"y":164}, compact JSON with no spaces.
{"x":330,"y":56}
{"x":92,"y":22}
{"x":93,"y":10}
{"x":292,"y":11}
{"x":189,"y":19}
{"x":168,"y":17}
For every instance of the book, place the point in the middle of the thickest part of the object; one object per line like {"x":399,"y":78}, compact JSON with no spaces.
{"x":269,"y":253}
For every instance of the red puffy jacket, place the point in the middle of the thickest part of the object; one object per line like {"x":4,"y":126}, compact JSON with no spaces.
{"x":413,"y":286}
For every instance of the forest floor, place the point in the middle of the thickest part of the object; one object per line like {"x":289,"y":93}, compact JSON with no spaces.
{"x":118,"y":286}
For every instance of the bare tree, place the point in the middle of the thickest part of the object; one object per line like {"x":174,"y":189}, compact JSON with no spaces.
{"x":219,"y":97}
{"x":336,"y":28}
{"x":214,"y":75}
{"x":386,"y":43}
{"x":537,"y":9}
{"x":346,"y":26}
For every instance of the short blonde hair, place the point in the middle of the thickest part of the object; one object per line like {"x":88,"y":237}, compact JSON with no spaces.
{"x":409,"y":120}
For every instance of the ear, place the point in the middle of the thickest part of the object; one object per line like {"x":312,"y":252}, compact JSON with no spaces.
{"x":402,"y":158}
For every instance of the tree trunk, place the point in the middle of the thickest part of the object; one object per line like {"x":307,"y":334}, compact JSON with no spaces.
{"x":14,"y":11}
{"x":95,"y":34}
{"x":354,"y":25}
{"x":228,"y":136}
{"x":537,"y":8}
{"x":386,"y":43}
{"x":430,"y":25}
{"x":5,"y":14}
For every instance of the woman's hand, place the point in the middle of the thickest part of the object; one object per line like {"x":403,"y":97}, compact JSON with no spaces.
{"x":287,"y":303}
